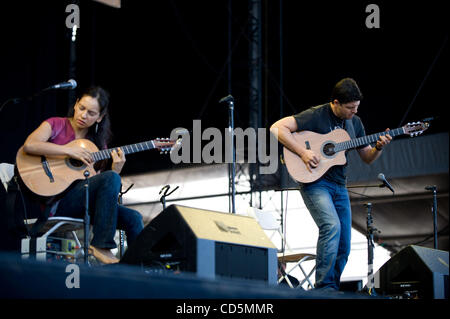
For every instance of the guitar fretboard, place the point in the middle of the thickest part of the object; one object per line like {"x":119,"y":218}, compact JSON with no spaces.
{"x":368,"y":139}
{"x":127,"y":149}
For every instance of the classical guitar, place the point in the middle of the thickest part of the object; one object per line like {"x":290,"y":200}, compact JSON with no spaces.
{"x":51,"y":175}
{"x":331,"y":149}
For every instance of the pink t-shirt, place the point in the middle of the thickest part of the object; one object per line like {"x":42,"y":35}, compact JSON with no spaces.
{"x":62,"y":131}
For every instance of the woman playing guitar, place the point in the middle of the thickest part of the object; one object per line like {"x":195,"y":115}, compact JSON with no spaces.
{"x":89,"y":120}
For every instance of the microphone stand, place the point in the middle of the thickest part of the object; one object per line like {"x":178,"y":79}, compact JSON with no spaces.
{"x":17,"y":100}
{"x":232,"y":167}
{"x":369,"y":288}
{"x":86,"y":218}
{"x":370,"y":247}
{"x":434,"y":212}
{"x":121,"y":232}
{"x":364,"y":186}
{"x":165,"y":194}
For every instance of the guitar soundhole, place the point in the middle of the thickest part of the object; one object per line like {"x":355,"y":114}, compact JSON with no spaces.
{"x":74,"y":163}
{"x":328,"y":149}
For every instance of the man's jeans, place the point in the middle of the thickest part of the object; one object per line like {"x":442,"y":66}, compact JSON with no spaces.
{"x":106,"y":214}
{"x":329,"y":206}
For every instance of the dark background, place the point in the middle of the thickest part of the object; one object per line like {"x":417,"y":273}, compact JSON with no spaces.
{"x":165,"y":64}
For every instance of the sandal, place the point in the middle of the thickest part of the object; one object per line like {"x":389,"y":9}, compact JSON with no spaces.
{"x":103,"y":255}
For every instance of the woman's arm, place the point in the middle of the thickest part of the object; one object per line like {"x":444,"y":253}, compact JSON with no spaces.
{"x":37,"y":144}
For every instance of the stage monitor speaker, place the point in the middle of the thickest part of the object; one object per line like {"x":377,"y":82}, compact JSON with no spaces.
{"x":415,"y":272}
{"x":208,"y":243}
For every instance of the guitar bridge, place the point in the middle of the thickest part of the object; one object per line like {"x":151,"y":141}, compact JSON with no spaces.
{"x":308,"y":147}
{"x":46,"y":168}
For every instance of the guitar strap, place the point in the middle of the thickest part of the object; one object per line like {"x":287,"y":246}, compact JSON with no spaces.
{"x":43,"y":213}
{"x":10,"y":203}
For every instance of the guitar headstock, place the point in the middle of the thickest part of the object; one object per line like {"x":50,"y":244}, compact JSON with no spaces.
{"x":416,"y":128}
{"x":164,"y":145}
{"x":177,"y":145}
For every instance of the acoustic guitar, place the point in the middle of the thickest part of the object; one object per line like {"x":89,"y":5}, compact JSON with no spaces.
{"x":331,"y":149}
{"x":51,"y":175}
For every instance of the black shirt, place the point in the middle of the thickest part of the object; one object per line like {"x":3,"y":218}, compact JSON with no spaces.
{"x":321,"y":119}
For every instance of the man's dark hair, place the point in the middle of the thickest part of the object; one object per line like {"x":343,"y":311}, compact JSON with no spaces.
{"x":345,"y":91}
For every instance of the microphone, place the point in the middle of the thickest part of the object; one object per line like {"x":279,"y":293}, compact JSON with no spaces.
{"x":385,"y":182}
{"x":227,"y":99}
{"x":71,"y":84}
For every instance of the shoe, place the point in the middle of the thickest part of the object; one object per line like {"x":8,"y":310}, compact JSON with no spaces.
{"x":103,"y":255}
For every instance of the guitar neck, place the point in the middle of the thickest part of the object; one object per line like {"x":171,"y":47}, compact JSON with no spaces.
{"x":127,"y":149}
{"x":368,"y":139}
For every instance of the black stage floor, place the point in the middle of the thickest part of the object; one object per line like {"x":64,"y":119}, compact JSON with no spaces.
{"x":30,"y":286}
{"x":25,"y":278}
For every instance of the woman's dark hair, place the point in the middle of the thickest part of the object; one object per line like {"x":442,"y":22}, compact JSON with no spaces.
{"x":101,"y":135}
{"x":345,"y":91}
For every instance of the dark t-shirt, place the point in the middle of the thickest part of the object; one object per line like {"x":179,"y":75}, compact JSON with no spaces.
{"x":321,"y":119}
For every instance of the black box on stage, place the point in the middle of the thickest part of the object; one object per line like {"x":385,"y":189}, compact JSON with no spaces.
{"x":351,"y":285}
{"x":415,"y":271}
{"x":208,"y":243}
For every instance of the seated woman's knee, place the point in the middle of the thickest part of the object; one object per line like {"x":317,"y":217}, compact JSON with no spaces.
{"x":111,"y":177}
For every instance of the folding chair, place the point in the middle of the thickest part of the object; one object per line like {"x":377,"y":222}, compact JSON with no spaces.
{"x":46,"y":246}
{"x":299,"y":259}
{"x":267,"y":221}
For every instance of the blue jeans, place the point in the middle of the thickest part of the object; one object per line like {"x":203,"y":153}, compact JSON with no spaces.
{"x":106,"y":214}
{"x":329,"y":206}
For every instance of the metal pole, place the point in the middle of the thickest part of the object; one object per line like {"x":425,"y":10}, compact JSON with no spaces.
{"x":233,"y":151}
{"x":255,"y":76}
{"x":86,"y":218}
{"x":434,"y":212}
{"x":370,"y":247}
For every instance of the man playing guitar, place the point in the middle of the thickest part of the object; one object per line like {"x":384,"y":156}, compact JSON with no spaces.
{"x":325,"y":195}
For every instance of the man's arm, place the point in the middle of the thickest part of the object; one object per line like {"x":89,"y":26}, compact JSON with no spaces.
{"x":369,"y":154}
{"x":282,"y":129}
